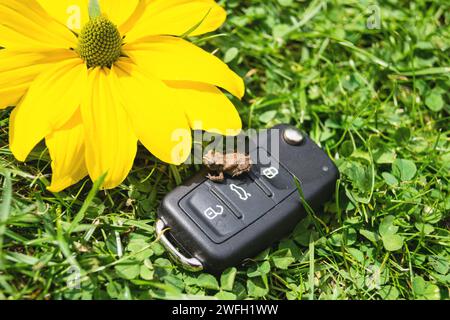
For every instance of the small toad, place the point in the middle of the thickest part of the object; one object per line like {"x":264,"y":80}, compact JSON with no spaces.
{"x":233,"y":164}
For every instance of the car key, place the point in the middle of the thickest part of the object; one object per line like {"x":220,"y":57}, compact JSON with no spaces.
{"x":211,"y":226}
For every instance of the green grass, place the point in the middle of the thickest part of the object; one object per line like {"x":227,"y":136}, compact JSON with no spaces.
{"x":377,"y":100}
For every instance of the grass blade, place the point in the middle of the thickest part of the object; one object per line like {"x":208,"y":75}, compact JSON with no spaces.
{"x":311,"y":268}
{"x":5,"y":209}
{"x":80,"y":215}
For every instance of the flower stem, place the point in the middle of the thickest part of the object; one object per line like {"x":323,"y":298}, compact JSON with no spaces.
{"x":94,"y":9}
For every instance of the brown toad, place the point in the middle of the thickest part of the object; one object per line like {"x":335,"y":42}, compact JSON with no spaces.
{"x":233,"y":164}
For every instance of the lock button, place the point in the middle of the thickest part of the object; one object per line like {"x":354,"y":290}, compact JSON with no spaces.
{"x":275,"y":178}
{"x":210,"y":214}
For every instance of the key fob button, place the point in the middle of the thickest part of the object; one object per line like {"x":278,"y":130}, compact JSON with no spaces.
{"x":293,"y":136}
{"x":248,"y":201}
{"x":276,"y":178}
{"x":210,"y":214}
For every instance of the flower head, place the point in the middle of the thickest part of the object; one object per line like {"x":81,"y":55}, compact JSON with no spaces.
{"x":93,"y":78}
{"x":99,"y":43}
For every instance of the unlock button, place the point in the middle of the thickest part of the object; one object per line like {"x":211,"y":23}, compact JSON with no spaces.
{"x":211,"y":214}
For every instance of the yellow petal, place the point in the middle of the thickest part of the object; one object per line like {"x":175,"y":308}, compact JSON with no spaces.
{"x":111,"y":144}
{"x":171,"y":58}
{"x":160,"y":124}
{"x":134,"y":18}
{"x":178,"y":17}
{"x":19,"y":69}
{"x":207,"y":108}
{"x":50,"y":102}
{"x":118,"y":11}
{"x":66,"y":147}
{"x":74,"y":13}
{"x":26,"y":25}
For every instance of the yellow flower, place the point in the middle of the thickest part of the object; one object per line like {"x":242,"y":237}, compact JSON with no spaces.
{"x":93,"y":87}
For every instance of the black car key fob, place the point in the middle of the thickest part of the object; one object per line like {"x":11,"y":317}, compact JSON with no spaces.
{"x":211,"y":226}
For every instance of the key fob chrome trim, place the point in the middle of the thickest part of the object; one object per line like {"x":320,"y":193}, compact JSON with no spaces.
{"x":190,"y":264}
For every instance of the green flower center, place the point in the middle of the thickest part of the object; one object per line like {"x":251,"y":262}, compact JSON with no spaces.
{"x":99,"y":43}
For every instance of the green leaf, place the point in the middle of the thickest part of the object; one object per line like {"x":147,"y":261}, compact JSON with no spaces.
{"x":263,"y":256}
{"x":404,"y":169}
{"x":440,"y":264}
{"x":372,"y":236}
{"x":392,"y":242}
{"x":227,"y":279}
{"x":425,"y":290}
{"x":418,"y":285}
{"x":140,"y":249}
{"x":282,"y":259}
{"x":207,"y":281}
{"x":346,"y":237}
{"x":360,"y":175}
{"x":157,"y":248}
{"x":175,"y":283}
{"x":286,"y":3}
{"x":424,"y":227}
{"x":387,"y":226}
{"x":239,"y":290}
{"x":389,"y":293}
{"x":383,"y":155}
{"x":146,"y":273}
{"x":128,"y":270}
{"x":292,"y":246}
{"x":231,"y":54}
{"x":279,"y":31}
{"x":268,"y":116}
{"x":402,"y":135}
{"x":431,"y":292}
{"x":223,"y":295}
{"x":390,"y":179}
{"x":256,"y":288}
{"x":434,"y":101}
{"x":260,"y":269}
{"x":113,"y":289}
{"x":357,"y":254}
{"x":346,"y":149}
